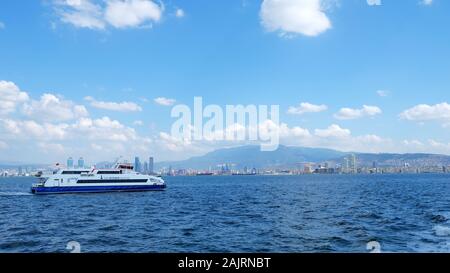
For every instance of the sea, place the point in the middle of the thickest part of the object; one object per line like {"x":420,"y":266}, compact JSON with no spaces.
{"x":398,"y":213}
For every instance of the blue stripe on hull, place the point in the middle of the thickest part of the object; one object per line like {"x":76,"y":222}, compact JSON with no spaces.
{"x":96,"y":189}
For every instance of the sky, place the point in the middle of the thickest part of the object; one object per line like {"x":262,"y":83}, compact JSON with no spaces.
{"x":98,"y":78}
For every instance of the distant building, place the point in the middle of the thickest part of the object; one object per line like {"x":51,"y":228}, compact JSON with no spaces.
{"x":353,"y":164}
{"x":81,"y":163}
{"x":308,"y":169}
{"x":70,"y":163}
{"x":350,"y":164}
{"x":151,"y":165}
{"x":137,"y":164}
{"x":346,"y":165}
{"x":145,"y":167}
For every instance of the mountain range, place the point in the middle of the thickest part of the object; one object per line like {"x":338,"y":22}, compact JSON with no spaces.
{"x":291,"y":157}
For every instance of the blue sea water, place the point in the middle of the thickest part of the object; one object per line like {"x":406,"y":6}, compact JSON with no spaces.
{"x":404,"y":213}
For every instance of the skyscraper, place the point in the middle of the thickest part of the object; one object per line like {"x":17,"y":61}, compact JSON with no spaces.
{"x":353,"y":165}
{"x":346,"y":165}
{"x":137,"y":164}
{"x":151,"y":165}
{"x":81,"y":163}
{"x":145,"y":169}
{"x":70,"y":162}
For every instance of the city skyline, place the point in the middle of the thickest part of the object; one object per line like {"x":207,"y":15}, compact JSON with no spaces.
{"x":76,"y":80}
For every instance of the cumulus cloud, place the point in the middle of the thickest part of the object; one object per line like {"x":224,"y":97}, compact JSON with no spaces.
{"x":31,"y":129}
{"x":103,"y":128}
{"x":52,"y":148}
{"x":306,"y":107}
{"x":426,"y":2}
{"x":81,"y":13}
{"x":349,"y":113}
{"x":334,"y":131}
{"x":179,"y":13}
{"x":138,"y":123}
{"x":114,"y":106}
{"x":53,"y":108}
{"x":165,"y":101}
{"x":306,"y":17}
{"x":10,"y":97}
{"x":383,"y":93}
{"x":132,"y":13}
{"x":374,"y":2}
{"x":425,"y":112}
{"x":95,"y":14}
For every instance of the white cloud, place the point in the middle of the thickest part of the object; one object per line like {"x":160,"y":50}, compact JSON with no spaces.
{"x":2,"y":25}
{"x":53,"y":108}
{"x":165,"y":101}
{"x":306,"y":17}
{"x":306,"y":107}
{"x":175,"y":144}
{"x":103,"y":129}
{"x":30,"y":129}
{"x":439,"y":145}
{"x":10,"y":97}
{"x":179,"y":13}
{"x":81,"y":13}
{"x":383,"y":93}
{"x":425,"y":112}
{"x":114,"y":106}
{"x":95,"y":14}
{"x":374,"y":2}
{"x":132,"y":13}
{"x":333,"y":131}
{"x":413,"y":142}
{"x":349,"y":113}
{"x":426,"y":2}
{"x":51,"y":148}
{"x":138,"y":123}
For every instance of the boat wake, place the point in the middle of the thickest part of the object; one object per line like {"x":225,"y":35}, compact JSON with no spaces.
{"x":14,"y":193}
{"x":441,"y":231}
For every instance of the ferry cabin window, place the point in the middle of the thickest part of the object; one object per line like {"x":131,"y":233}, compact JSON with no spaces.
{"x":74,"y":172}
{"x":109,"y":172}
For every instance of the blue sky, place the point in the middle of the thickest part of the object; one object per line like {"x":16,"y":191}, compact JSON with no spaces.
{"x":103,"y":63}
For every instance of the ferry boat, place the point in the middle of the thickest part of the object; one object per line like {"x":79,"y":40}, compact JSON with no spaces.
{"x":120,"y":178}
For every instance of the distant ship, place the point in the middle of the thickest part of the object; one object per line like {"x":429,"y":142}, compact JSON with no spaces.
{"x":121,"y":178}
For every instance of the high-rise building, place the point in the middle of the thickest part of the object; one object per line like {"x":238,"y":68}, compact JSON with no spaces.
{"x":70,"y":162}
{"x":81,"y":163}
{"x":350,"y":164}
{"x":347,"y":165}
{"x":151,"y":165}
{"x":145,"y":169}
{"x":353,"y":164}
{"x":137,"y":164}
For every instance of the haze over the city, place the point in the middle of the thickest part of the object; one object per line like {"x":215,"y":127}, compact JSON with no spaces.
{"x":98,"y":79}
